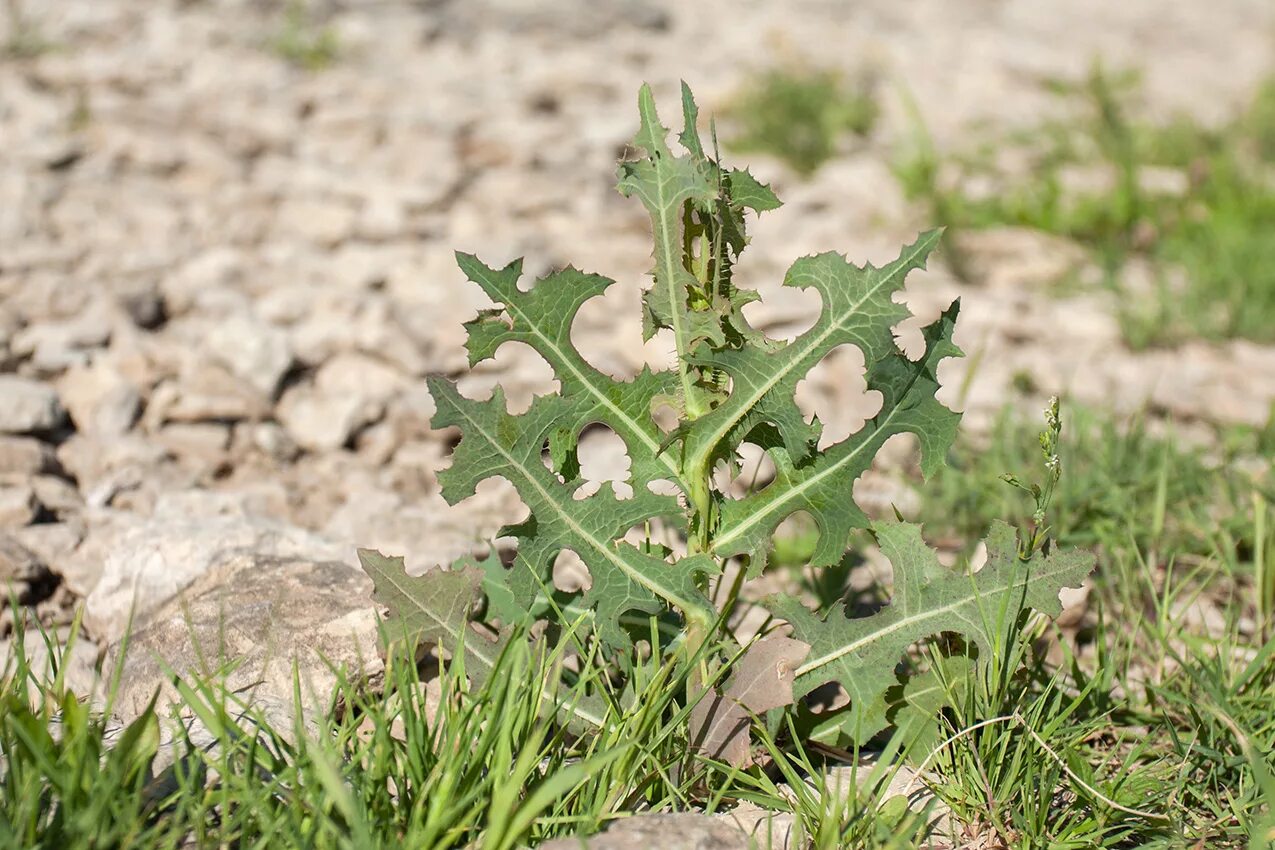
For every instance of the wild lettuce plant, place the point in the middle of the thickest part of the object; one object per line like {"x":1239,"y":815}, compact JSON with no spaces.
{"x":731,"y":385}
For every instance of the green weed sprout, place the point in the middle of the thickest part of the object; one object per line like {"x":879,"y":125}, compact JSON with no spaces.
{"x":730,"y":385}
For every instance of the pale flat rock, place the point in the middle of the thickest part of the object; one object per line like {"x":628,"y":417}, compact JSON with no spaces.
{"x":254,"y":351}
{"x":26,"y":456}
{"x":261,"y":612}
{"x":100,"y":399}
{"x":28,"y":406}
{"x":687,"y":831}
{"x":147,"y":562}
{"x":321,"y":422}
{"x":22,"y":571}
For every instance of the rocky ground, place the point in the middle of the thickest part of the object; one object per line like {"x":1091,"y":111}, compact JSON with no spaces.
{"x":223,"y":277}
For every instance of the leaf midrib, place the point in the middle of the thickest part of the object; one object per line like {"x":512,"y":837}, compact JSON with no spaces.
{"x":602,"y":549}
{"x":835,"y":325}
{"x":749,"y":521}
{"x":1015,"y":583}
{"x":594,"y":391}
{"x":472,"y":648}
{"x":670,"y":284}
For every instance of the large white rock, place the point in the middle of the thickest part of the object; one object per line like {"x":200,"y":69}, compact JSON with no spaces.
{"x":261,"y":613}
{"x":148,"y":561}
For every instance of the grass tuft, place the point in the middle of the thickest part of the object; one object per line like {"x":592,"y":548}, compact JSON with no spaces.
{"x":1194,"y":203}
{"x":304,"y":42}
{"x":800,"y":115}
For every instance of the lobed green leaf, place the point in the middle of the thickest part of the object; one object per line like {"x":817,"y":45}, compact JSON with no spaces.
{"x":861,"y":654}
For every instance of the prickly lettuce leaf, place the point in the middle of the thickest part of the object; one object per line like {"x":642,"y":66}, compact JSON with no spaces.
{"x":861,"y":654}
{"x":731,"y":384}
{"x":435,"y":609}
{"x":432,"y":609}
{"x":821,"y":484}
{"x":496,"y":443}
{"x":542,"y":319}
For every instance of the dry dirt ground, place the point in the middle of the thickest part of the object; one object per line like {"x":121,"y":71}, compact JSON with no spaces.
{"x":223,"y":277}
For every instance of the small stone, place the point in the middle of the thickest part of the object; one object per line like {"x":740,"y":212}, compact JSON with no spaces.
{"x":117,"y":410}
{"x":52,"y":542}
{"x":262,"y":613}
{"x":383,"y":217}
{"x":767,"y":828}
{"x":103,"y":528}
{"x":254,"y":351}
{"x":18,"y":505}
{"x":375,"y":325}
{"x":357,"y":374}
{"x":28,"y":407}
{"x":100,"y":400}
{"x":103,"y":467}
{"x":56,"y":346}
{"x":56,"y":494}
{"x":325,"y":223}
{"x":22,"y":569}
{"x":26,"y":456}
{"x":273,"y":439}
{"x":207,"y":282}
{"x":377,"y":443}
{"x":685,"y":831}
{"x":320,"y":422}
{"x":145,"y":308}
{"x":200,"y":440}
{"x":207,"y":393}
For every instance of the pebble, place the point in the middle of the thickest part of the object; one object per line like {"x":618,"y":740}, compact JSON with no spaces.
{"x":28,"y":406}
{"x":26,"y":456}
{"x":18,"y":505}
{"x":23,"y":571}
{"x":254,"y":351}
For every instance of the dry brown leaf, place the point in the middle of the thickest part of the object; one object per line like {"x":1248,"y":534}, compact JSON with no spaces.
{"x":763,"y":680}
